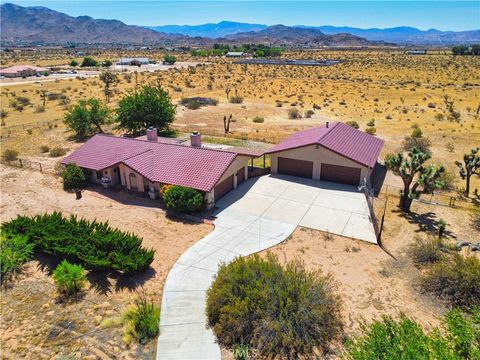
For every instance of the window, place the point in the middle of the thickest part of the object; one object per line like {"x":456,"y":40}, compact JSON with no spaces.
{"x":99,"y":175}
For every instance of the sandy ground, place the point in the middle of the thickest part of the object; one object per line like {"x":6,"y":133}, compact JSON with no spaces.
{"x":30,"y":310}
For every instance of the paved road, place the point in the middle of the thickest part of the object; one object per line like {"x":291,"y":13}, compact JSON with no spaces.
{"x":261,"y":213}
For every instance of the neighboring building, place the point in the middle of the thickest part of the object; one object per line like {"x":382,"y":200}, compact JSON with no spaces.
{"x":145,"y":165}
{"x":23,"y":71}
{"x":133,"y":61}
{"x":234,"y":54}
{"x":334,"y":152}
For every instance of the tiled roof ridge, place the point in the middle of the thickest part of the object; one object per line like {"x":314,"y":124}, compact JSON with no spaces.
{"x":151,"y":142}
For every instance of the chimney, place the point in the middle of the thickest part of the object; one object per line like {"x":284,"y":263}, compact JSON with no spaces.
{"x":327,"y":124}
{"x":196,"y":139}
{"x":152,"y":134}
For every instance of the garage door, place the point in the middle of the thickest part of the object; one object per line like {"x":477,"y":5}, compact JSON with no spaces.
{"x":224,"y":187}
{"x":295,"y":167}
{"x":240,"y":176}
{"x":341,"y":174}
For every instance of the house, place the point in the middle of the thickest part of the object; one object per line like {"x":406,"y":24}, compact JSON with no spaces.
{"x":334,"y":152}
{"x":23,"y":71}
{"x":416,"y":52}
{"x":144,"y":165}
{"x":133,"y":61}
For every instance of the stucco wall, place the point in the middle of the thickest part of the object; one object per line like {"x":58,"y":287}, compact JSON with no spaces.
{"x":92,"y":175}
{"x":125,"y":172}
{"x":239,"y":162}
{"x":318,"y":155}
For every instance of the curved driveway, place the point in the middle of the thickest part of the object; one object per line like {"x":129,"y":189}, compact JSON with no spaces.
{"x":260,"y":213}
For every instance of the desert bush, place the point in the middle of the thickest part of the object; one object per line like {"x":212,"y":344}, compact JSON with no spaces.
{"x":3,"y":113}
{"x":456,"y":280}
{"x":353,"y":124}
{"x":258,"y":119}
{"x":57,"y":151}
{"x":240,"y":352}
{"x":404,"y":339}
{"x":183,"y":199}
{"x":141,"y":321}
{"x":236,"y":100}
{"x":73,"y":176}
{"x":15,"y":250}
{"x":371,"y":130}
{"x":44,"y":149}
{"x":294,"y":113}
{"x":309,"y":113}
{"x":69,"y":278}
{"x":39,"y":109}
{"x":23,"y":100}
{"x":421,"y":143}
{"x":417,"y":133}
{"x":426,"y":251}
{"x":371,"y":123}
{"x":282,"y":312}
{"x":475,"y":219}
{"x":95,"y":245}
{"x":89,"y":61}
{"x":9,"y":155}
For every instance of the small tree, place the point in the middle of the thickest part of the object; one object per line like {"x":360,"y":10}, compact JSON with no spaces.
{"x":169,"y":59}
{"x":87,"y":117}
{"x":74,"y":63}
{"x":417,"y":178}
{"x":470,"y":167}
{"x":226,"y":123}
{"x":183,"y":199}
{"x":73,"y":177}
{"x":141,"y":109}
{"x":89,"y":61}
{"x":109,"y":79}
{"x":107,"y":63}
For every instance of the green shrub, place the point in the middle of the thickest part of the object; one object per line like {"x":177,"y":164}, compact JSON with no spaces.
{"x":353,"y":124}
{"x":456,"y":280}
{"x":169,"y":59}
{"x":278,"y":311}
{"x":404,"y":339}
{"x":240,"y":352}
{"x":371,"y":130}
{"x":89,"y":61}
{"x":141,"y":321}
{"x":10,"y":155}
{"x":258,"y":119}
{"x":183,"y":199}
{"x":236,"y":100}
{"x":371,"y":123}
{"x":69,"y":278}
{"x":15,"y":250}
{"x":94,"y":245}
{"x":73,"y":177}
{"x":57,"y":151}
{"x":417,"y":133}
{"x":44,"y":149}
{"x":426,"y":251}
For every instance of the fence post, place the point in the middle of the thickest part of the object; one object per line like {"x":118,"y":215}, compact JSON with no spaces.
{"x":20,"y":161}
{"x":40,"y":164}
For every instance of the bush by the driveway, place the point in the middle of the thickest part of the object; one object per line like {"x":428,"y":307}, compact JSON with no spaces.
{"x":183,"y":199}
{"x":277,"y":311}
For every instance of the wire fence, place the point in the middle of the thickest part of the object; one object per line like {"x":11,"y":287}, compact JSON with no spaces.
{"x":11,"y":130}
{"x":32,"y":165}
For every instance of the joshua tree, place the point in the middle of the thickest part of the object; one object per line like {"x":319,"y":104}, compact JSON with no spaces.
{"x":108,"y":79}
{"x":226,"y":123}
{"x":227,"y":90}
{"x":470,"y":167}
{"x":417,"y":178}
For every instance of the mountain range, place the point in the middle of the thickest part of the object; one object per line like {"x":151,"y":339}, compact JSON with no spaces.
{"x":33,"y":25}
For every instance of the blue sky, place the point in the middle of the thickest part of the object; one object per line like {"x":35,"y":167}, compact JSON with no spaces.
{"x":443,"y":15}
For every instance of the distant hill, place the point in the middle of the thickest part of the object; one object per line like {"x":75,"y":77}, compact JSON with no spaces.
{"x":210,"y":30}
{"x":294,"y":36}
{"x":40,"y":24}
{"x":406,"y":35}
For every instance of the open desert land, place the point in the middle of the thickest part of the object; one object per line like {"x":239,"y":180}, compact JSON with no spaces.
{"x":395,"y":90}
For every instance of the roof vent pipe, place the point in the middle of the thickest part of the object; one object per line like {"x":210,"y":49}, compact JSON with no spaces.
{"x":327,"y":124}
{"x":196,"y":139}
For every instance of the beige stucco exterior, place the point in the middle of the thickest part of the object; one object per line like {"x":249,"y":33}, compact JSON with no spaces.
{"x":318,"y":155}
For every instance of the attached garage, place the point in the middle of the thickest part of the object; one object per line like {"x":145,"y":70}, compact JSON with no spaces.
{"x":223,"y":187}
{"x":240,"y":176}
{"x":295,"y":167}
{"x":336,"y":152}
{"x":341,"y":174}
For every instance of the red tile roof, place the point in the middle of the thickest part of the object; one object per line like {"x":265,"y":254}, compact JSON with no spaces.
{"x":198,"y":168}
{"x":339,"y":138}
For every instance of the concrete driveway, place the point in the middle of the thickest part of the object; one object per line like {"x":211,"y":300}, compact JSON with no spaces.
{"x":260,"y":213}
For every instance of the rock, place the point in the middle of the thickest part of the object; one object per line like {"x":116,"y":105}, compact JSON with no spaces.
{"x":99,"y":353}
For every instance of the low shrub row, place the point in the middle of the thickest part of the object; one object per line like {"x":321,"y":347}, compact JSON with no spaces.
{"x":388,"y":338}
{"x":182,"y":199}
{"x":95,"y":245}
{"x":279,"y":312}
{"x":15,"y":250}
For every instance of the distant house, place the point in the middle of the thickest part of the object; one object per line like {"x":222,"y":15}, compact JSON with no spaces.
{"x":23,"y":71}
{"x":234,"y":54}
{"x":416,"y":52}
{"x":133,"y":61}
